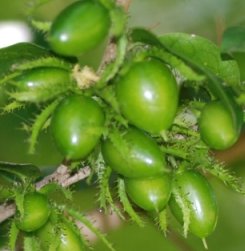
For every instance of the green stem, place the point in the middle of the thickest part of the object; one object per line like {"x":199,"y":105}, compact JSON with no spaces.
{"x":182,"y":130}
{"x":175,"y":152}
{"x":204,"y":243}
{"x":164,"y":135}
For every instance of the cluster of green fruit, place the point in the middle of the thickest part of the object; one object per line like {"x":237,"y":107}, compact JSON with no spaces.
{"x":38,"y":220}
{"x":147,"y":95}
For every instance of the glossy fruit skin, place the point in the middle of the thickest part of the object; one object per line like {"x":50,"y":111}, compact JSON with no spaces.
{"x":217,"y":128}
{"x":148,"y":96}
{"x":76,"y":126}
{"x":142,"y":158}
{"x":42,"y":83}
{"x":36,"y":212}
{"x":79,"y":28}
{"x":150,"y":194}
{"x":202,"y":203}
{"x":69,"y":240}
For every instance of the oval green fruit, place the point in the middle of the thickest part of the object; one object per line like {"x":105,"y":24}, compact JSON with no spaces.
{"x":196,"y":190}
{"x":79,"y":28}
{"x":150,"y":194}
{"x":36,"y":212}
{"x":148,"y":96}
{"x":76,"y":126}
{"x":41,"y":84}
{"x":139,"y":156}
{"x":217,"y":128}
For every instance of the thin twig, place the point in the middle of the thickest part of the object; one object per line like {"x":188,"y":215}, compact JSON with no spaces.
{"x":61,"y":176}
{"x":6,"y":211}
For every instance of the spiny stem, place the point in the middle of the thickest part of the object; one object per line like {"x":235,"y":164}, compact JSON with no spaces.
{"x":174,"y":152}
{"x":180,"y":129}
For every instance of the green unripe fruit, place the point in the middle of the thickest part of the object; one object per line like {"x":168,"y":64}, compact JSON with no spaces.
{"x":217,"y":127}
{"x":41,"y":84}
{"x":36,"y":212}
{"x":79,"y":28}
{"x":148,"y":96}
{"x":141,"y":157}
{"x":150,"y":194}
{"x":76,"y":126}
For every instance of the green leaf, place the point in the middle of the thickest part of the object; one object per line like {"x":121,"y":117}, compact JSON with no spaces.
{"x":21,"y":171}
{"x":144,"y":36}
{"x":233,"y":40}
{"x":204,"y":53}
{"x":14,"y":55}
{"x":229,"y":70}
{"x":13,"y":235}
{"x":200,"y":50}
